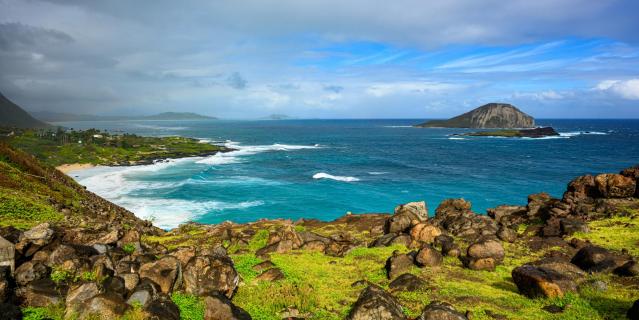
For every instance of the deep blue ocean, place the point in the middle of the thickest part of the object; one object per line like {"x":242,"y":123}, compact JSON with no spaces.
{"x":325,"y":168}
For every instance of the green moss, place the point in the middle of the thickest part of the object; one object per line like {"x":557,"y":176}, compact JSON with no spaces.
{"x":259,"y":240}
{"x":191,"y":307}
{"x":129,"y":248}
{"x":244,"y":264}
{"x":52,"y":312}
{"x":614,"y":233}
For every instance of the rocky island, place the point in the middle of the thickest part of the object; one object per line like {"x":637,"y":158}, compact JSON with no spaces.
{"x":491,"y":115}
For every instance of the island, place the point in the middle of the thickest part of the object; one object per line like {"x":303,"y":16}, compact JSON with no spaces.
{"x":491,"y":115}
{"x":515,"y":133}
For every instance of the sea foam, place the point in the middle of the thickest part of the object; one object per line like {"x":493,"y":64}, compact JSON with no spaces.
{"x":323,"y":175}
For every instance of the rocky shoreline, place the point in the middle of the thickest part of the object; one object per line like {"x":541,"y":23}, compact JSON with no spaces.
{"x":106,"y":268}
{"x":517,"y":133}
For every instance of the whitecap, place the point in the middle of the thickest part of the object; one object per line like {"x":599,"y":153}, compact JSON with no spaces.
{"x":578,"y":133}
{"x":456,"y":138}
{"x":323,"y":175}
{"x":398,"y":126}
{"x":240,"y":151}
{"x":377,"y":173}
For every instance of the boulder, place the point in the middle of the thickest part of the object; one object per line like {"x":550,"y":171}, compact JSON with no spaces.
{"x":633,"y":312}
{"x":582,"y":188}
{"x":206,"y":274}
{"x":10,"y":311}
{"x":633,"y":173}
{"x":140,"y":297}
{"x":570,"y":226}
{"x":6,"y":284}
{"x":451,"y":249}
{"x":407,"y":282}
{"x":375,"y":304}
{"x":615,"y":185}
{"x":484,"y":254}
{"x":437,"y":310}
{"x":415,"y":211}
{"x":546,"y":279}
{"x":219,"y":307}
{"x":264,"y":265}
{"x":398,"y":263}
{"x":166,"y":273}
{"x":594,"y":259}
{"x":425,"y":233}
{"x":270,"y":275}
{"x":7,"y":254}
{"x":78,"y":295}
{"x":427,"y":256}
{"x":162,"y":308}
{"x":131,"y":280}
{"x":115,"y":284}
{"x":34,"y":239}
{"x":390,"y":239}
{"x":184,"y":255}
{"x":103,"y":306}
{"x":452,"y":207}
{"x":507,"y":214}
{"x":506,"y":234}
{"x":628,"y":269}
{"x":538,"y":204}
{"x":40,"y":293}
{"x":30,"y":271}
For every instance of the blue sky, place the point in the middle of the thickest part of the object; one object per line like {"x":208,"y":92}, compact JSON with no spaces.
{"x":322,"y":59}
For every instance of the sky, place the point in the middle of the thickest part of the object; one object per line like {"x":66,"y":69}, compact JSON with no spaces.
{"x":322,"y":58}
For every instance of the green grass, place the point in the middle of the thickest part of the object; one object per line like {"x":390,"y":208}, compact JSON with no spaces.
{"x":614,"y":233}
{"x":23,"y":210}
{"x":53,"y":312}
{"x":191,"y":307}
{"x":117,"y":149}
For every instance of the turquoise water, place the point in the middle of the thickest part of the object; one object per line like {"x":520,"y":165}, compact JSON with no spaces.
{"x":324,"y":168}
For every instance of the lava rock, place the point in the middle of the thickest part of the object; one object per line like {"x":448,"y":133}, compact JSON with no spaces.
{"x":166,"y":272}
{"x":594,"y":259}
{"x":407,"y":282}
{"x":205,"y":274}
{"x":398,"y":263}
{"x":375,"y":304}
{"x":615,"y":185}
{"x":427,"y":256}
{"x":438,"y":310}
{"x":219,"y":307}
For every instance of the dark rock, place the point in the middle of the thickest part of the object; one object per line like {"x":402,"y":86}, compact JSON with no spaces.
{"x":273,"y":274}
{"x":594,"y":259}
{"x":265,"y":265}
{"x":507,"y":214}
{"x":384,"y":241}
{"x":451,"y":249}
{"x":375,"y":304}
{"x":539,"y":281}
{"x":553,"y":309}
{"x":405,"y":216}
{"x":78,"y":295}
{"x":538,"y":204}
{"x":397,"y":264}
{"x":443,"y":240}
{"x":166,"y":272}
{"x":30,"y":271}
{"x":506,"y":234}
{"x":105,"y":305}
{"x":633,"y":312}
{"x":10,"y":311}
{"x":6,"y":284}
{"x":162,"y":308}
{"x":115,"y":285}
{"x":484,"y":254}
{"x":633,"y":173}
{"x":205,"y":274}
{"x":407,"y":282}
{"x":40,"y":293}
{"x":427,"y":256}
{"x":628,"y":269}
{"x":219,"y":307}
{"x":571,"y":226}
{"x":437,"y":310}
{"x":184,"y":255}
{"x":34,"y":239}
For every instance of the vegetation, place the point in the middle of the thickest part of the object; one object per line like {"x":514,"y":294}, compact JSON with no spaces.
{"x":101,"y":148}
{"x":52,"y":312}
{"x":191,"y":307}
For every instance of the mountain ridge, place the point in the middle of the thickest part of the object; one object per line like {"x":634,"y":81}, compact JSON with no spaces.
{"x":491,"y":115}
{"x":63,"y":117}
{"x":12,"y":115}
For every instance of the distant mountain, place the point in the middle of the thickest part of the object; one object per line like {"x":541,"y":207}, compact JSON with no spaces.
{"x":11,"y":115}
{"x":276,"y":117}
{"x":176,"y":116}
{"x":64,"y":117}
{"x":492,"y":115}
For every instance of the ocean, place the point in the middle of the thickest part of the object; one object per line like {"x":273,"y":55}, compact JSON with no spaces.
{"x":324,"y":168}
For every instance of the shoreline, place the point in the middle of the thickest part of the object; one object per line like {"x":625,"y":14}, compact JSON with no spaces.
{"x":71,"y":167}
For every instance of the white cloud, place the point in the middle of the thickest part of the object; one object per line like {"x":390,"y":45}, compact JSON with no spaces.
{"x":627,"y":89}
{"x":385,"y":89}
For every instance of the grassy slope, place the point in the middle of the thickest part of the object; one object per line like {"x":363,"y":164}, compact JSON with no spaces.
{"x":142,"y":148}
{"x":319,"y":286}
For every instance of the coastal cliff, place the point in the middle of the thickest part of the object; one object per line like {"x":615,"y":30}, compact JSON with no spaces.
{"x":492,"y":115}
{"x":66,"y":253}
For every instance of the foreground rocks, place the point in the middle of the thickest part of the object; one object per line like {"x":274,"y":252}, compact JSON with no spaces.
{"x":376,"y":304}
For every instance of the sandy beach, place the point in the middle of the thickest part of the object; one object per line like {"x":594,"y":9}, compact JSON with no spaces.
{"x":67,"y":168}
